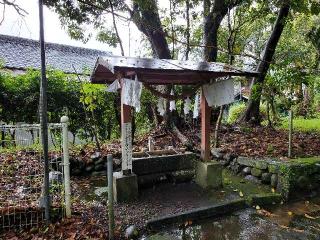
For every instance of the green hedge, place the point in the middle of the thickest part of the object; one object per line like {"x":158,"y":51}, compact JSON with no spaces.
{"x":237,"y":109}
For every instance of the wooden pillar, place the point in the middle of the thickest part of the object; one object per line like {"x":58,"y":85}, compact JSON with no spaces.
{"x":205,"y":128}
{"x":126,"y":137}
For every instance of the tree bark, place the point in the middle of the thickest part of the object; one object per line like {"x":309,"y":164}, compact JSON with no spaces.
{"x":252,"y":113}
{"x":147,"y":20}
{"x":213,"y":16}
{"x":212,"y":22}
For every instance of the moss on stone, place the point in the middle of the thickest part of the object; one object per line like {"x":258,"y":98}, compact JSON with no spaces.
{"x":233,"y":182}
{"x":264,"y":199}
{"x":306,"y":161}
{"x":273,"y":168}
{"x":256,"y":172}
{"x":290,"y":172}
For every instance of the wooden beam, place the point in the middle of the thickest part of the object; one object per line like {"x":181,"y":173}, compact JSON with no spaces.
{"x":205,"y":128}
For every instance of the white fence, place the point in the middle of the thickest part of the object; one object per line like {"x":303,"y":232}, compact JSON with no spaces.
{"x":22,"y":174}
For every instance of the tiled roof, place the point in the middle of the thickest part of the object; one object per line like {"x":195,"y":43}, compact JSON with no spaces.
{"x":22,"y":53}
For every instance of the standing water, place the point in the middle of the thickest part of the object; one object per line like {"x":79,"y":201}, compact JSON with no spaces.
{"x":299,"y":220}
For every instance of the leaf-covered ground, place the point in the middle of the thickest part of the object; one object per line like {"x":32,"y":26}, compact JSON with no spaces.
{"x":255,"y":142}
{"x":242,"y":141}
{"x":89,"y":219}
{"x":265,"y":141}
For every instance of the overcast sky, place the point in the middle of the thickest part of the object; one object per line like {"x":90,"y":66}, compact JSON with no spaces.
{"x":28,"y":27}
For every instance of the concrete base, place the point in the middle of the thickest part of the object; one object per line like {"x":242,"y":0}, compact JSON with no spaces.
{"x":125,"y":187}
{"x":209,"y":174}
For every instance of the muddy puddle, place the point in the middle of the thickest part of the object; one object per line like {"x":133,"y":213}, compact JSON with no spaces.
{"x":298,"y":220}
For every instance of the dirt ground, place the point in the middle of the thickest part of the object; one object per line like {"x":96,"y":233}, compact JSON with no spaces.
{"x":242,"y":141}
{"x":90,"y":211}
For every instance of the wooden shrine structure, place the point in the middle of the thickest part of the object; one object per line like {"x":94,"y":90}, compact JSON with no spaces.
{"x":152,"y":72}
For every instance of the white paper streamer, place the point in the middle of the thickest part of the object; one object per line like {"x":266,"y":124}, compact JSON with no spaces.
{"x":219,"y":93}
{"x":196,"y":106}
{"x":187,"y":105}
{"x":161,"y":106}
{"x":172,"y":103}
{"x":131,"y":92}
{"x":113,"y":87}
{"x":137,"y":94}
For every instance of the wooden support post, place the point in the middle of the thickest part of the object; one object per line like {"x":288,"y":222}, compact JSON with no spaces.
{"x":205,"y":128}
{"x":126,"y":137}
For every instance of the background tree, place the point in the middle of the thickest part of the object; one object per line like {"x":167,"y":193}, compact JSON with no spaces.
{"x":252,"y":113}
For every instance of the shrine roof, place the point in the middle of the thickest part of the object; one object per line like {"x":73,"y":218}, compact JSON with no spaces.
{"x":162,"y":71}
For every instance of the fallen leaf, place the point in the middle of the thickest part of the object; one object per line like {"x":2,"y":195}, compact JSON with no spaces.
{"x":310,"y":217}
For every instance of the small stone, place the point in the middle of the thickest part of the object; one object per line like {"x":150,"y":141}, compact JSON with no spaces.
{"x":99,"y":167}
{"x":99,"y":161}
{"x":252,"y":179}
{"x":303,"y":182}
{"x":217,"y":153}
{"x":256,"y":172}
{"x":55,"y":177}
{"x":274,"y":180}
{"x":131,"y":232}
{"x":261,"y":165}
{"x":273,"y":168}
{"x":236,"y":168}
{"x":95,"y":156}
{"x":249,"y":162}
{"x":89,"y":168}
{"x":76,"y":172}
{"x":102,"y":173}
{"x":266,"y":178}
{"x":229,"y":157}
{"x":224,"y":163}
{"x":100,"y":191}
{"x":246,"y":170}
{"x":22,"y":190}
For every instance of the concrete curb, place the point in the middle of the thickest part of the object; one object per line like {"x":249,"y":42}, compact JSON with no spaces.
{"x":197,"y":214}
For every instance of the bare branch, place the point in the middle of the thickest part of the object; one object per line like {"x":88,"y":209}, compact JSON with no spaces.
{"x":3,"y":12}
{"x":116,"y":28}
{"x":12,"y":3}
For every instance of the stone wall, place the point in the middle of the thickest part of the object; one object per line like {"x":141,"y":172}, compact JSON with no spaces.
{"x":151,"y":167}
{"x":286,"y":177}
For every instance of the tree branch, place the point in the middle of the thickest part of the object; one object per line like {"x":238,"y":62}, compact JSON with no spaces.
{"x":18,"y":9}
{"x":115,"y":28}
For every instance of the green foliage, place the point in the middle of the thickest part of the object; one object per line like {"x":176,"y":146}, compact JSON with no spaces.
{"x":107,"y":36}
{"x":303,"y":125}
{"x":235,"y":112}
{"x":237,"y":109}
{"x":89,"y":107}
{"x":144,"y":119}
{"x":19,"y":102}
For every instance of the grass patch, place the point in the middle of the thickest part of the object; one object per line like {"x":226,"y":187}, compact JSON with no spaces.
{"x":310,"y":161}
{"x":303,"y":125}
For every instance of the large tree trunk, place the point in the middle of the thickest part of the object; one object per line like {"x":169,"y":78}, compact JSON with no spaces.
{"x":147,"y":20}
{"x":213,"y":16}
{"x":252,"y":113}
